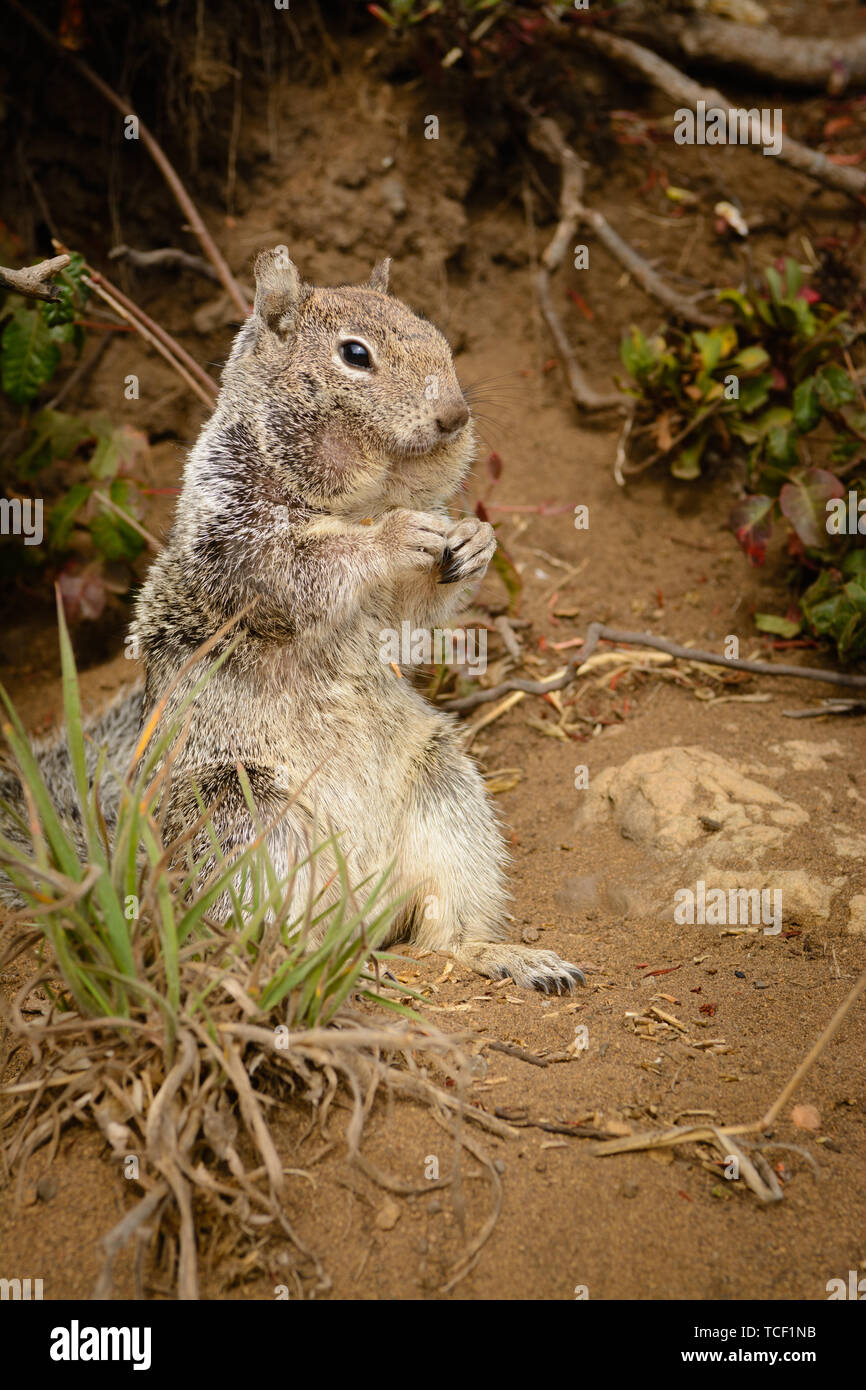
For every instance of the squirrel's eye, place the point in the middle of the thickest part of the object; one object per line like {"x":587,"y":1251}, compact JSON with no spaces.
{"x":355,"y":354}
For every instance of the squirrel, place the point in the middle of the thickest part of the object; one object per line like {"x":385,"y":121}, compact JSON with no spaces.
{"x":314,"y":506}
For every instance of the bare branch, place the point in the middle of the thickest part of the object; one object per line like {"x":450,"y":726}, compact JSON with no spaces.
{"x":34,"y":281}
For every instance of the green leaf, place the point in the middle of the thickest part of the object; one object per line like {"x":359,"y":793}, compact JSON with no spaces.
{"x":636,"y":355}
{"x":781,"y":444}
{"x":781,"y":627}
{"x":119,"y":450}
{"x":752,"y":359}
{"x":807,"y":405}
{"x":713,"y":346}
{"x":774,"y":282}
{"x":793,"y":277}
{"x":854,"y":564}
{"x":63,"y":514}
{"x":838,"y":611}
{"x":746,"y":308}
{"x":835,"y":387}
{"x":754,"y":392}
{"x":28,"y":356}
{"x":687,"y":464}
{"x":56,"y":432}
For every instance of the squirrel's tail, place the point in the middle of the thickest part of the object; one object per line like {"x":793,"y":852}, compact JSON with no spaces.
{"x":116,"y":731}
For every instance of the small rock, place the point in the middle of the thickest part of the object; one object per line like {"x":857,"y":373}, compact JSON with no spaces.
{"x":806,"y":1117}
{"x":761,"y":984}
{"x":394,"y":197}
{"x":435,"y":1207}
{"x":629,"y":1188}
{"x":499,"y":1165}
{"x":351,"y":175}
{"x":540,"y":1166}
{"x":530,"y":934}
{"x":46,"y":1187}
{"x":740,"y":974}
{"x":388,"y":1215}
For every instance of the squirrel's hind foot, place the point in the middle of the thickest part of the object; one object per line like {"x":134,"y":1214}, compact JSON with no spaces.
{"x":527,"y":966}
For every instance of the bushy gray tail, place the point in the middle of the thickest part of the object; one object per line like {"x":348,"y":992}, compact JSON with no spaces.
{"x":116,"y":730}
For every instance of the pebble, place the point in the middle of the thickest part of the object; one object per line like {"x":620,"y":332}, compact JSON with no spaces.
{"x":388,"y":1215}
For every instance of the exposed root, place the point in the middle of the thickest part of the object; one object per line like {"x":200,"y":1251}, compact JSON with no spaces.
{"x":685,"y":91}
{"x":546,"y":136}
{"x":830,"y":64}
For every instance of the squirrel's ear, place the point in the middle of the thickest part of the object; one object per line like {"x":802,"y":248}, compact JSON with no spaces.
{"x":381,"y":275}
{"x":278,"y":289}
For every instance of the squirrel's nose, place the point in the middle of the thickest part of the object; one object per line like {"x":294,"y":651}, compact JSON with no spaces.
{"x":452,"y":416}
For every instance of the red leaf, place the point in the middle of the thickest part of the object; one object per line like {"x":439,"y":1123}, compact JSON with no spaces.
{"x":752,"y":523}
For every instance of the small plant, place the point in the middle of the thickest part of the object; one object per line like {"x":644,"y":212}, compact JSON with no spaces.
{"x":118,"y":907}
{"x":36,"y":333}
{"x":90,"y":537}
{"x":776,"y":387}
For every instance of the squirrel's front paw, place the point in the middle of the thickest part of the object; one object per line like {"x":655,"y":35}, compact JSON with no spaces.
{"x":417,"y":539}
{"x":469,"y":548}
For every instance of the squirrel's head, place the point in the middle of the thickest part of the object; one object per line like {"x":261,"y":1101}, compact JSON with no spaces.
{"x":353,"y":397}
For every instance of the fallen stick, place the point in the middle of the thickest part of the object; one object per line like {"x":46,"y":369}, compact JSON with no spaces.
{"x":184,"y":201}
{"x":597,"y":632}
{"x":682,"y":89}
{"x":33,"y":281}
{"x":546,"y":136}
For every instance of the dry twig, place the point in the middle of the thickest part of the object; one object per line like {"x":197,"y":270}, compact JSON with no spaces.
{"x":597,"y":632}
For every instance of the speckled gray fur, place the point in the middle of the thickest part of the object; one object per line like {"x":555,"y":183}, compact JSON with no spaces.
{"x":317,"y":494}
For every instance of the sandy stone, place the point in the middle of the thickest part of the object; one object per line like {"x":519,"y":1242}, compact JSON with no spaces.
{"x":857,"y":914}
{"x":657,"y":799}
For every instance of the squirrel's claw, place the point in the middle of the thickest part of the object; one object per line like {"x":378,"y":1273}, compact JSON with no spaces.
{"x":449,"y":567}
